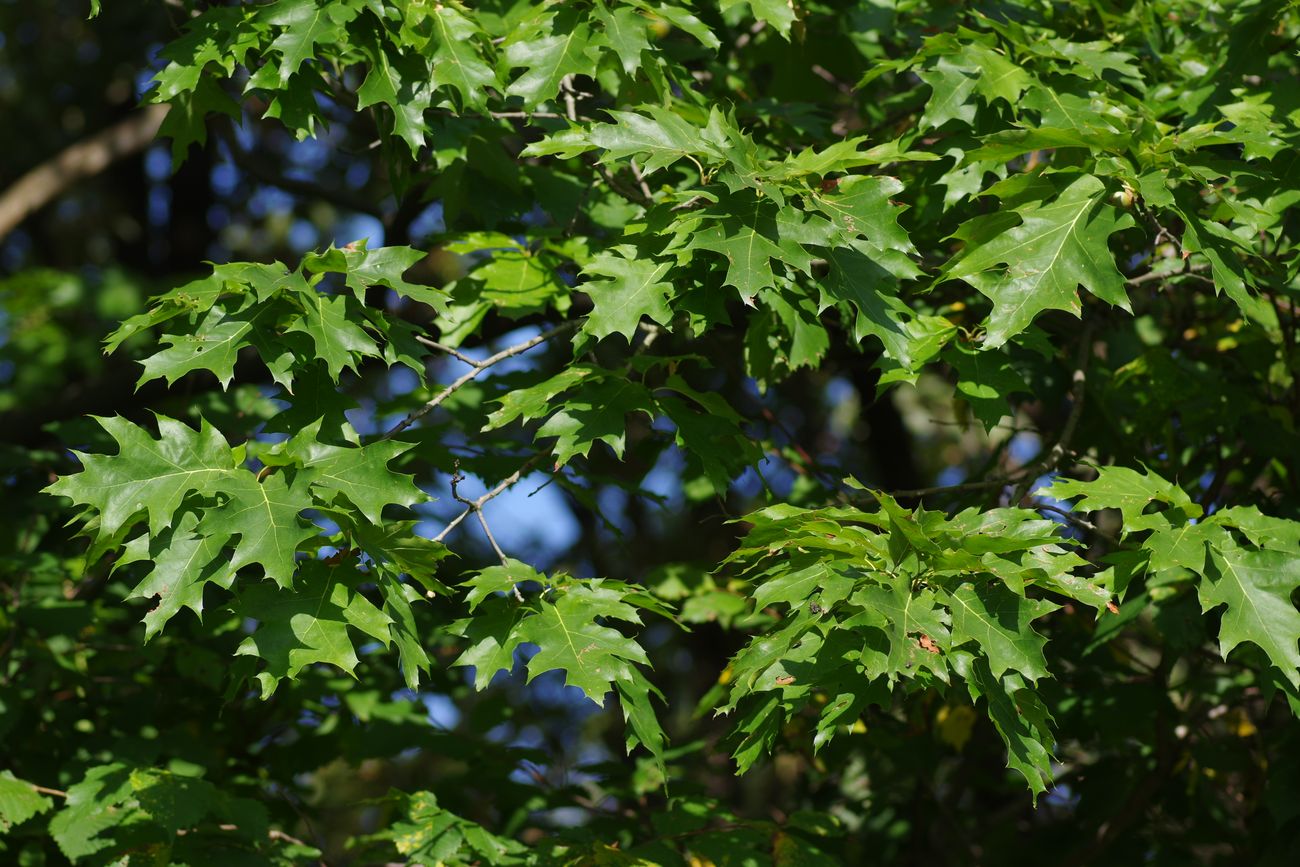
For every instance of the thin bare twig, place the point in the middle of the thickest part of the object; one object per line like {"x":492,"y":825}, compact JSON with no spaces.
{"x":570,"y":100}
{"x":476,"y":368}
{"x":524,"y":115}
{"x":982,"y":485}
{"x":442,"y":347}
{"x":277,"y":834}
{"x":829,"y":77}
{"x":1077,"y":387}
{"x":311,"y":829}
{"x":1078,"y":521}
{"x":271,"y":834}
{"x":487,"y":531}
{"x":640,"y":179}
{"x":476,"y":505}
{"x":473,"y":506}
{"x":1155,"y":275}
{"x":636,"y":197}
{"x":640,"y":197}
{"x":652,"y":332}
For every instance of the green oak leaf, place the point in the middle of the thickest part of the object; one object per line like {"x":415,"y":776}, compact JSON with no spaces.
{"x":1256,"y":587}
{"x":612,"y":599}
{"x":185,"y":565}
{"x":713,"y":438}
{"x":492,"y":638}
{"x":517,"y":283}
{"x":1253,"y":126}
{"x":985,"y":380}
{"x":1182,"y":545}
{"x":505,"y":578}
{"x":907,"y":615}
{"x":399,"y":600}
{"x":308,"y":623}
{"x":843,"y":156}
{"x":1002,"y":147}
{"x":1089,"y":59}
{"x":362,"y":268}
{"x":682,"y":19}
{"x":534,"y":401}
{"x":197,"y":296}
{"x":778,"y":13}
{"x":1020,"y":719}
{"x":456,"y":60}
{"x":313,"y":397}
{"x":591,"y":656}
{"x":1039,"y":263}
{"x":855,"y":277}
{"x":213,"y":346}
{"x":659,"y":137}
{"x":338,"y":339}
{"x":1227,"y":254}
{"x":266,"y":280}
{"x":1264,"y":531}
{"x":403,"y":84}
{"x":359,"y":473}
{"x":999,"y":621}
{"x":89,"y":810}
{"x":762,"y":652}
{"x":757,"y":729}
{"x":1000,"y":77}
{"x":626,"y":31}
{"x":148,"y":476}
{"x":804,"y":341}
{"x":430,"y":834}
{"x":548,"y":60}
{"x":634,"y":287}
{"x":294,"y":104}
{"x":745,"y":239}
{"x":306,"y":24}
{"x":175,"y":802}
{"x":1129,"y":491}
{"x":951,"y":85}
{"x":397,"y":543}
{"x":862,"y":207}
{"x":596,"y":413}
{"x":19,"y":801}
{"x":186,"y":122}
{"x":217,"y":37}
{"x":1097,"y":120}
{"x":265,"y":516}
{"x":635,"y":692}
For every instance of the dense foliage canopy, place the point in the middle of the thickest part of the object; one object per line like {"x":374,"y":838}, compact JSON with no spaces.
{"x":650,"y":432}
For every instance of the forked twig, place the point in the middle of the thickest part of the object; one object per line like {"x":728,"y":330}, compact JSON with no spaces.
{"x":476,"y":367}
{"x":476,"y":507}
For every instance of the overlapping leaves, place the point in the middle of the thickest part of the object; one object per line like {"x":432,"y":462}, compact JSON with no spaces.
{"x":206,"y":516}
{"x":571,"y":625}
{"x":1115,"y":174}
{"x":1243,"y":560}
{"x":897,"y":599}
